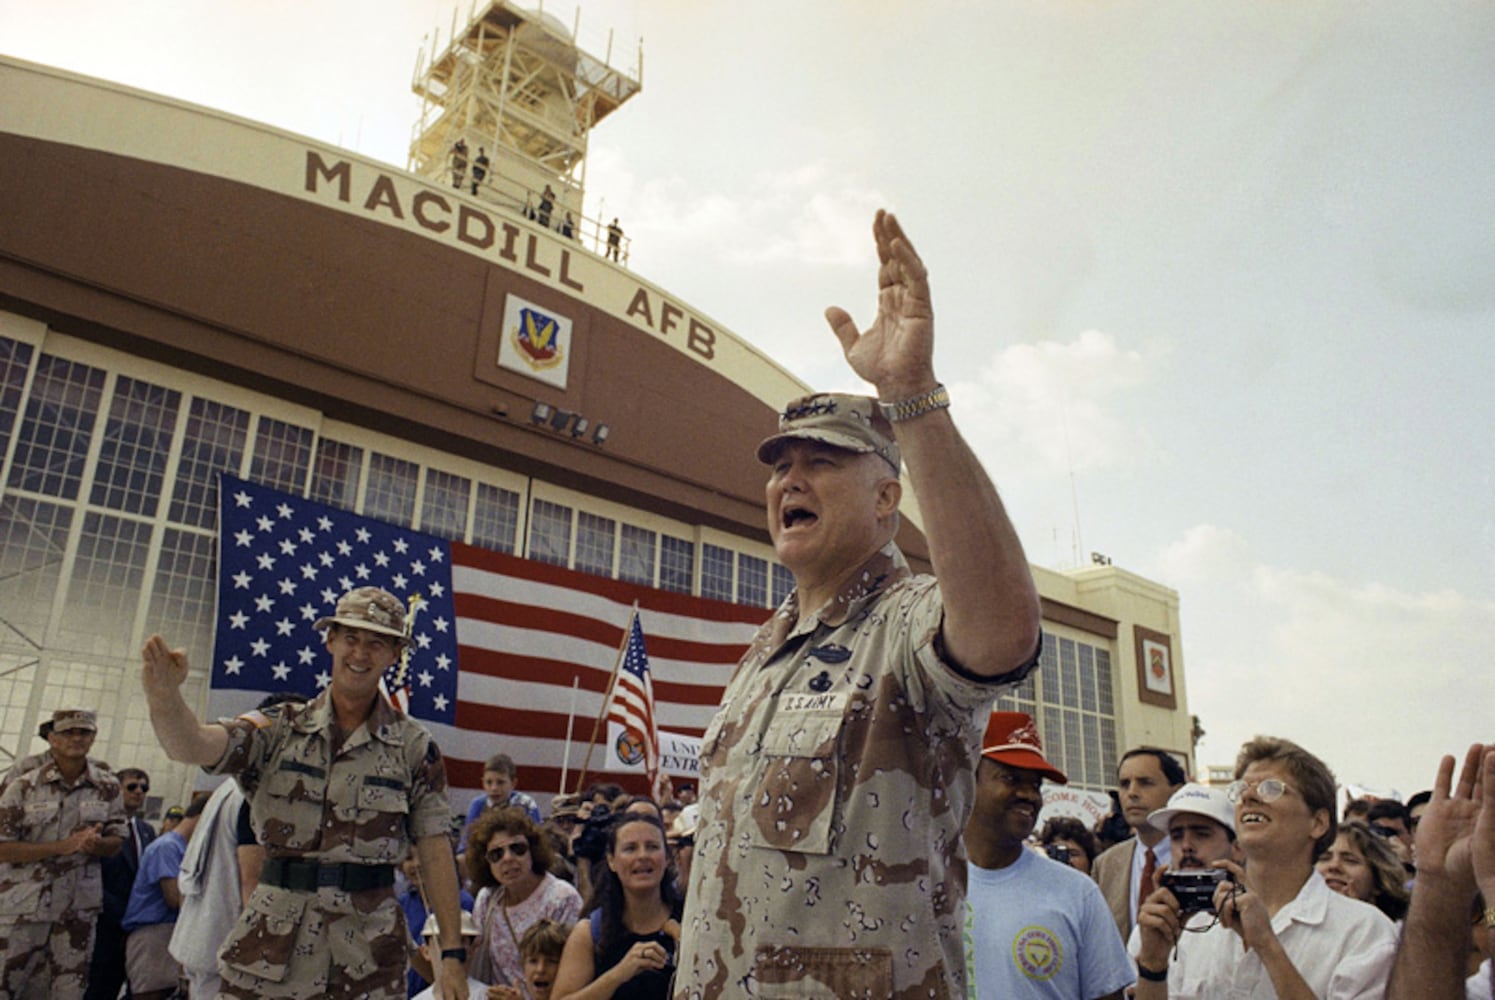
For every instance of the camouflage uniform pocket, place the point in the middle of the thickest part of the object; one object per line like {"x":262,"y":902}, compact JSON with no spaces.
{"x":795,"y":799}
{"x":261,"y":942}
{"x":383,"y":808}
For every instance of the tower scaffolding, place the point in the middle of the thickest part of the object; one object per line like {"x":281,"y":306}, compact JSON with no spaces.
{"x":515,"y":85}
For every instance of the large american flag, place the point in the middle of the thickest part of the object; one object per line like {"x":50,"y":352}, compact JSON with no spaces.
{"x":508,"y":655}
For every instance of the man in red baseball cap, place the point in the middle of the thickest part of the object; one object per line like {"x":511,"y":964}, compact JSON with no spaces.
{"x":1035,"y":927}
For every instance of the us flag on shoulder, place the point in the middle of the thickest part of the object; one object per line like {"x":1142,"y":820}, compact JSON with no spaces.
{"x":507,"y":655}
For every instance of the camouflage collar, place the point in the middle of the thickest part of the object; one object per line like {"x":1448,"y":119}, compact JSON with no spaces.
{"x":881,"y":571}
{"x":93,"y":772}
{"x":382,"y":724}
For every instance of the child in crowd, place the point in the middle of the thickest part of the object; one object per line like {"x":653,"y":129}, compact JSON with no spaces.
{"x":499,"y":775}
{"x":431,"y":949}
{"x":540,"y":948}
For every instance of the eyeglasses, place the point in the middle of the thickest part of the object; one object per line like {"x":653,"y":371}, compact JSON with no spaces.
{"x":496,"y":854}
{"x":1267,"y":789}
{"x":137,"y":786}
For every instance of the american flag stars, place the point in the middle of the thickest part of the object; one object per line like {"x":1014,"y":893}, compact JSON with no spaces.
{"x":285,"y":563}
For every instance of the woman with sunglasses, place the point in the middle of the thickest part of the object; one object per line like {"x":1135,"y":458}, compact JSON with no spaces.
{"x":625,"y":949}
{"x":508,"y":861}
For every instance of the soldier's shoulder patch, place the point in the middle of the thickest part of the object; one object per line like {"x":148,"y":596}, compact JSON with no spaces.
{"x":255,"y":718}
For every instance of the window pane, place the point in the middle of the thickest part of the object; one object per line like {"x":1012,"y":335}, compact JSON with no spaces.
{"x":335,"y":478}
{"x":1103,"y":681}
{"x":137,"y":440}
{"x":594,"y":543}
{"x":1069,"y":674}
{"x":636,"y":555}
{"x":391,"y":491}
{"x":443,"y":508}
{"x":33,"y":537}
{"x":716,"y":572}
{"x":53,"y":441}
{"x":495,"y":522}
{"x":1088,"y":699}
{"x":215,"y":439}
{"x":783,"y":583}
{"x":282,"y":454}
{"x":15,"y":361}
{"x":676,"y":556}
{"x":550,"y":533}
{"x":752,"y":580}
{"x":182,"y":596}
{"x":105,"y":585}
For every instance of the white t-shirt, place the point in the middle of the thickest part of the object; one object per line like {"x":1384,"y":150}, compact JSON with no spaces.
{"x":1342,"y":948}
{"x":1039,"y":928}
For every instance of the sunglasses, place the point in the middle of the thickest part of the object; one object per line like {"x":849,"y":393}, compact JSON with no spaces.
{"x":496,"y":854}
{"x":137,"y":786}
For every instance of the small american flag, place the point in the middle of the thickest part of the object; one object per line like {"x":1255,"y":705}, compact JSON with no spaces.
{"x":632,"y":703}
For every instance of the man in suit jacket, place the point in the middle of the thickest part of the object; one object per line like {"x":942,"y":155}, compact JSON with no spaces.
{"x":106,"y":972}
{"x":1147,"y":778}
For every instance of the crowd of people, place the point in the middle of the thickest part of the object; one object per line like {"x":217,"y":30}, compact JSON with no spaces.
{"x":866,"y":825}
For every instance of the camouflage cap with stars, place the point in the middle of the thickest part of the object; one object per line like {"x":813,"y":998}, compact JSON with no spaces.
{"x":369,"y":608}
{"x":853,"y":423}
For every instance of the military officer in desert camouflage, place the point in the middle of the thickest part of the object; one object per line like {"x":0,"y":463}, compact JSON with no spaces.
{"x":839,"y":772}
{"x":340,"y":787}
{"x":57,"y":819}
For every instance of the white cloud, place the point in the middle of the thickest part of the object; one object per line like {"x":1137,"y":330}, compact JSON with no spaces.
{"x":1054,"y":405}
{"x":1371,"y":677}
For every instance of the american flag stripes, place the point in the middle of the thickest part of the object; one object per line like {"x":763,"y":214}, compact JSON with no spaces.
{"x":509,"y":655}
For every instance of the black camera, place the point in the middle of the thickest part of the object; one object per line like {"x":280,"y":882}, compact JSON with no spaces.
{"x":1059,"y":852}
{"x":1194,"y":889}
{"x":591,"y":843}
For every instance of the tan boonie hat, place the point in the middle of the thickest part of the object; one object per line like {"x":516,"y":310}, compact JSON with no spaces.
{"x":68,"y":719}
{"x":369,"y":608}
{"x":843,"y":421}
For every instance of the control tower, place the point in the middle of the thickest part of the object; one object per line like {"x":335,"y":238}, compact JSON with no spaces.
{"x":515,"y":87}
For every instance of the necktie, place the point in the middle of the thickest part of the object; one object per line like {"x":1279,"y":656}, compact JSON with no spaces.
{"x":1149,"y":876}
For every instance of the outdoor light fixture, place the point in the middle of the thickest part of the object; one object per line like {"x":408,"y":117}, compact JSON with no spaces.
{"x":560,"y":418}
{"x":581,"y":426}
{"x":540,"y":414}
{"x":599,"y":436}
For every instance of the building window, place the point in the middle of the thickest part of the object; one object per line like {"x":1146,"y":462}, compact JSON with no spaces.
{"x":335,"y":478}
{"x":282,"y":455}
{"x":443,"y":508}
{"x":33,"y":538}
{"x":716,"y":572}
{"x":182,"y":599}
{"x":214,"y":443}
{"x":390,"y":495}
{"x":1070,"y":695}
{"x":783,"y":583}
{"x":636,"y":554}
{"x":53,"y":442}
{"x":595,"y":538}
{"x":676,"y":564}
{"x":15,"y":362}
{"x":550,"y":533}
{"x":135,"y":446}
{"x":752,"y":580}
{"x":495,"y":520}
{"x":105,"y":585}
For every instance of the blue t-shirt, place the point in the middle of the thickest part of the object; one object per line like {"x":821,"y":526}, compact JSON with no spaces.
{"x":415,"y":920}
{"x":1039,"y":928}
{"x":162,"y":859}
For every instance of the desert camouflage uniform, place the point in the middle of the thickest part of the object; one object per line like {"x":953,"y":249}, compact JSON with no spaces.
{"x":364,"y":802}
{"x":835,"y":783}
{"x":48,"y":908}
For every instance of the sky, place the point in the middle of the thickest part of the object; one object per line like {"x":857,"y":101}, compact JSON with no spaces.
{"x":1214,"y":284}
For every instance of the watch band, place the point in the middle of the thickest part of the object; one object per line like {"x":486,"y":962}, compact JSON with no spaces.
{"x":937,"y":398}
{"x":1152,"y":975}
{"x":460,"y":954}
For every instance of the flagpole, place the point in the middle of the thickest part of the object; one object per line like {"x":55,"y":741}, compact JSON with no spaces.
{"x":612,"y":682}
{"x":570,"y":728}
